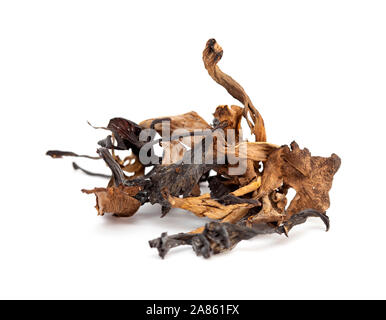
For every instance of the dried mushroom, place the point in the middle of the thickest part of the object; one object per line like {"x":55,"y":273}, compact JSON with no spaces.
{"x":118,"y":200}
{"x":248,"y":181}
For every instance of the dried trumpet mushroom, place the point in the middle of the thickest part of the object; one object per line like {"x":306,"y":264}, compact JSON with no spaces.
{"x":118,"y":200}
{"x":248,"y":181}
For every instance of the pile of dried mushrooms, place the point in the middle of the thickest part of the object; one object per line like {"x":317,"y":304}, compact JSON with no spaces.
{"x":241,"y":203}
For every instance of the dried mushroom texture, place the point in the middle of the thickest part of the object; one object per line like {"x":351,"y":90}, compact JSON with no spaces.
{"x":174,"y":152}
{"x":310,"y":176}
{"x":188,"y":121}
{"x":204,"y":206}
{"x":60,"y":154}
{"x":227,"y":206}
{"x":211,"y":56}
{"x":217,"y":237}
{"x":176,"y":126}
{"x":117,"y":200}
{"x":175,"y":179}
{"x":248,"y":181}
{"x":255,"y":151}
{"x":232,"y":117}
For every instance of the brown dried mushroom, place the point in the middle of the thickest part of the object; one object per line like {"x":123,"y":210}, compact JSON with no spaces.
{"x":248,"y":181}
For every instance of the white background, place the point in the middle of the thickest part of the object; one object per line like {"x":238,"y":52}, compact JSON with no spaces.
{"x":316,"y":70}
